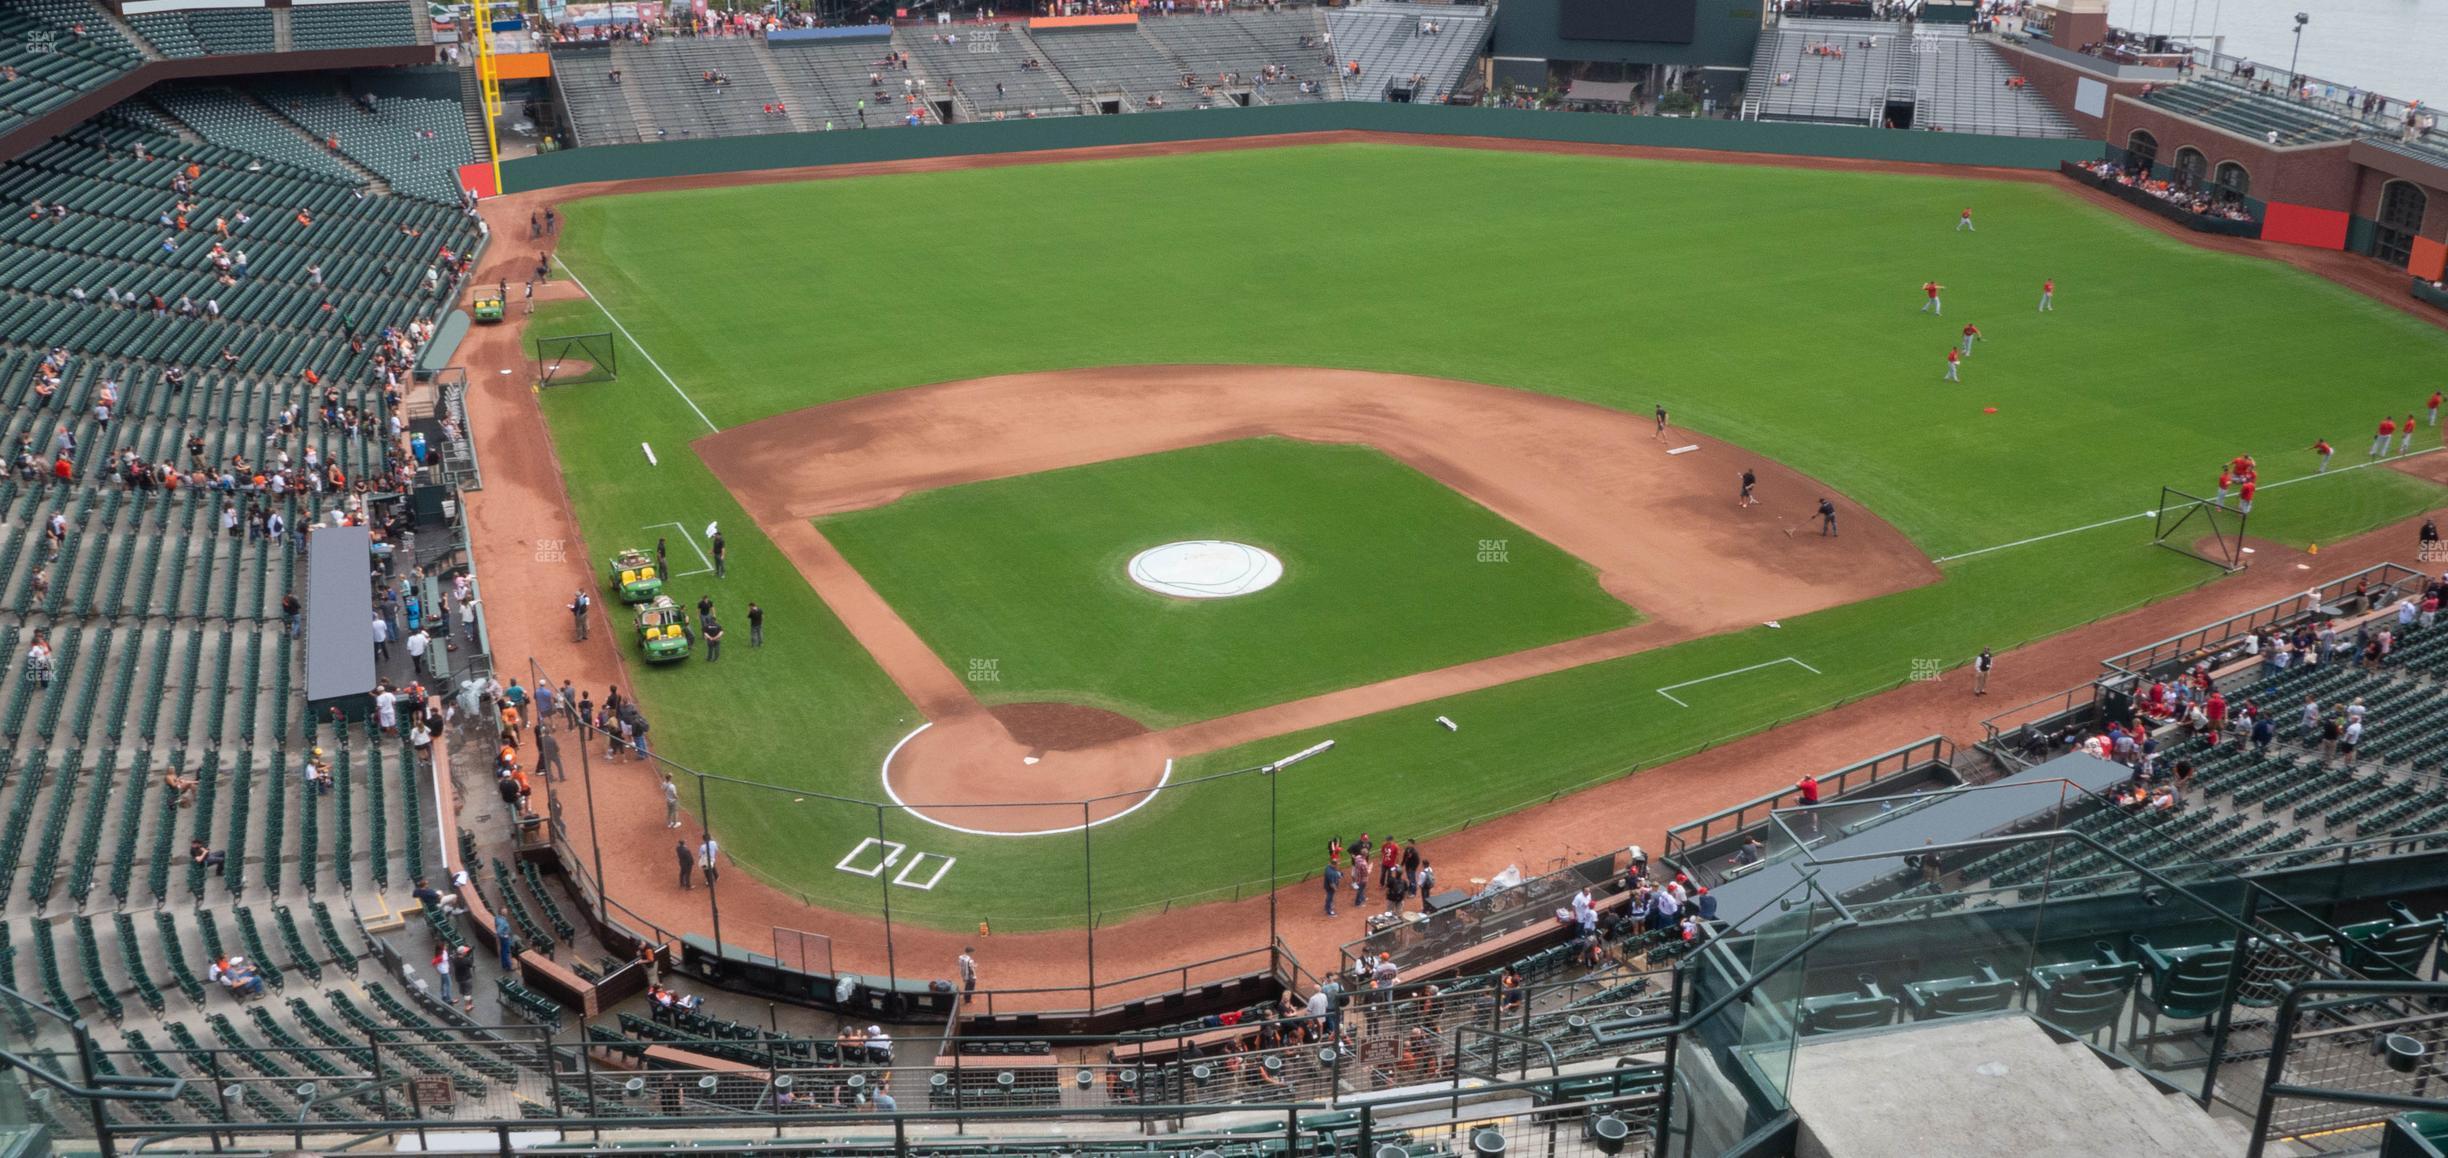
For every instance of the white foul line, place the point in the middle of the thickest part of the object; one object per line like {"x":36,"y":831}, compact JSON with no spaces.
{"x":2154,"y":514}
{"x":1668,"y":690}
{"x":639,"y":346}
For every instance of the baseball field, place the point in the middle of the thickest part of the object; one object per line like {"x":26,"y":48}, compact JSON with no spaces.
{"x":937,"y":414}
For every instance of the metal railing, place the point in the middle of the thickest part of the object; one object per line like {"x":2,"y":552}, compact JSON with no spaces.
{"x":2333,"y":1067}
{"x":2156,"y":659}
{"x":459,"y":463}
{"x":2342,"y":100}
{"x":1445,"y":1117}
{"x":1682,"y":840}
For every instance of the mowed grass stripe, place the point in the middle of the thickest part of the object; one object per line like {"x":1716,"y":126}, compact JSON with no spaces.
{"x":1773,"y":308}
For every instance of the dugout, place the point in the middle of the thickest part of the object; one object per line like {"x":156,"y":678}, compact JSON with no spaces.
{"x":339,"y":621}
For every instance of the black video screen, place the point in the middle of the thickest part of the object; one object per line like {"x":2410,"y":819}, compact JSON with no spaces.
{"x":1651,"y":21}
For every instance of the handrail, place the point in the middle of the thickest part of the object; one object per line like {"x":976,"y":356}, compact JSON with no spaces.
{"x":113,"y":1088}
{"x":2389,"y":575}
{"x":2289,"y":1015}
{"x":2094,"y":844}
{"x":1835,"y":783}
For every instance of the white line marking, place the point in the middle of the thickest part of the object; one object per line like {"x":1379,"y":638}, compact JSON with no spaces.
{"x":2154,"y":514}
{"x":640,"y":347}
{"x":648,"y":447}
{"x":1161,"y":781}
{"x":902,"y":878}
{"x":691,"y":540}
{"x":892,"y":852}
{"x":1668,"y":690}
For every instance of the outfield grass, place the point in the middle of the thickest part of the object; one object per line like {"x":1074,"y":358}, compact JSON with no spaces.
{"x":1027,"y":576}
{"x":1771,"y":307}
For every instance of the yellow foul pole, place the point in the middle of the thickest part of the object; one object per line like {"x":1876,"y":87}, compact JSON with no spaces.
{"x":488,"y":83}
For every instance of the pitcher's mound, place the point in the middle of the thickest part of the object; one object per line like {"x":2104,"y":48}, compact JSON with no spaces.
{"x":1061,"y":727}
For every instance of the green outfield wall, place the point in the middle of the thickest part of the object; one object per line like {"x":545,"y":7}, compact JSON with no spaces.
{"x":851,"y":146}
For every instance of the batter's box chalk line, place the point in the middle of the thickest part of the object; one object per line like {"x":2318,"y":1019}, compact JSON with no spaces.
{"x":943,"y":864}
{"x":1669,"y":690}
{"x":891,"y":851}
{"x":691,"y":540}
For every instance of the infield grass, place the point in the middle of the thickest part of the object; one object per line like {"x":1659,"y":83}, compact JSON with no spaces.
{"x":1770,"y":307}
{"x":1022,"y":581}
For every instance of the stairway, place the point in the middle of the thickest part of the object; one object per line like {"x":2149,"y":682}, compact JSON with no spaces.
{"x":143,"y":46}
{"x":372,"y":180}
{"x":1991,"y":1085}
{"x":471,"y":104}
{"x":795,"y":111}
{"x":639,"y":114}
{"x":283,"y":39}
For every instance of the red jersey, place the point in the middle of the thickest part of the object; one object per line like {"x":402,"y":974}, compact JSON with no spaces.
{"x":1954,"y":355}
{"x":2049,"y":286}
{"x":1809,"y":787}
{"x":1971,"y":331}
{"x":1930,"y":288}
{"x":2248,"y":490}
{"x":2321,"y":447}
{"x":2388,"y":426}
{"x":2226,"y":480}
{"x":2435,"y":400}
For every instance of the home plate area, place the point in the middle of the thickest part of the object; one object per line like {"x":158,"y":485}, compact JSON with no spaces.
{"x":922,"y":870}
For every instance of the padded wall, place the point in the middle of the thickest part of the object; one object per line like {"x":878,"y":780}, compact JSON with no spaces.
{"x":791,"y":150}
{"x":2430,"y":259}
{"x":2304,"y":225}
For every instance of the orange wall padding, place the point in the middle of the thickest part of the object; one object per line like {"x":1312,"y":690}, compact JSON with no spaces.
{"x":1082,"y":21}
{"x":2430,"y":259}
{"x":522,"y":65}
{"x":478,"y":178}
{"x":2304,"y":225}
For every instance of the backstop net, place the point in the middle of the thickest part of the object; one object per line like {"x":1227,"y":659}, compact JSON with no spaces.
{"x":2211,"y":530}
{"x":573,"y":359}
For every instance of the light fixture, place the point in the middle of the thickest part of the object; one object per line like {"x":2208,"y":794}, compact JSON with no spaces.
{"x":1086,"y":1077}
{"x":1327,"y":1056}
{"x":633,"y":1087}
{"x":1487,"y":1142}
{"x":784,"y":1081}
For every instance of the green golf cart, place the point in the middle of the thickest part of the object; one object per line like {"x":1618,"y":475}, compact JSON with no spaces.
{"x":634,"y":575}
{"x":663,"y":632}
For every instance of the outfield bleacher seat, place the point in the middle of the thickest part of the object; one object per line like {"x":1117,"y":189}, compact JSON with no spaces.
{"x":355,"y":24}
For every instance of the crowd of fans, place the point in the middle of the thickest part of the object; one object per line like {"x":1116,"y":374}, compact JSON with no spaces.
{"x":2190,"y":198}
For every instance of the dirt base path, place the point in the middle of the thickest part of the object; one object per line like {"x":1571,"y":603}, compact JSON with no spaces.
{"x":531,"y":556}
{"x":1656,"y":516}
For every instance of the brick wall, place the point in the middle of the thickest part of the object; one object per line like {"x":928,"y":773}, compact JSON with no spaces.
{"x":2367,"y":201}
{"x":2319,"y":176}
{"x":2055,"y":80}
